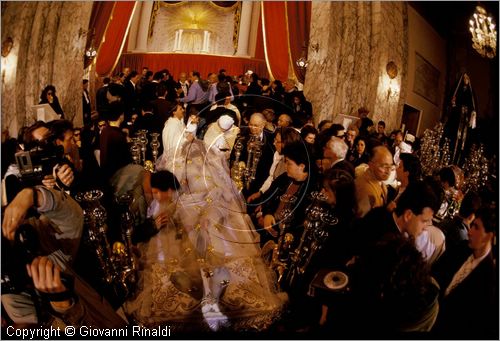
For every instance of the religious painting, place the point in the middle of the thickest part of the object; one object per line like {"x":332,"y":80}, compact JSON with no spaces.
{"x":426,"y":83}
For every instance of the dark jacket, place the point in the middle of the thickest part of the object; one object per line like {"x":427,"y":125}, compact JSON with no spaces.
{"x":471,"y":308}
{"x":115,"y":152}
{"x":265,"y":161}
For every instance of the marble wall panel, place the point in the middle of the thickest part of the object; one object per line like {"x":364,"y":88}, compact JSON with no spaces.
{"x":356,"y":40}
{"x":48,"y":49}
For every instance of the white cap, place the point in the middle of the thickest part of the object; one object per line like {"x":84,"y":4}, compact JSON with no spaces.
{"x":410,"y":138}
{"x":225,"y":122}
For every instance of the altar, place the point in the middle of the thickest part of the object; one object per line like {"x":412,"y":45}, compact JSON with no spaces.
{"x":193,"y":41}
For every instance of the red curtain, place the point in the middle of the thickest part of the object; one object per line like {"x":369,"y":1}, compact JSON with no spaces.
{"x":179,"y":62}
{"x":259,"y":46}
{"x":114,"y":37}
{"x":276,"y":39}
{"x":101,"y":12}
{"x":299,"y":24}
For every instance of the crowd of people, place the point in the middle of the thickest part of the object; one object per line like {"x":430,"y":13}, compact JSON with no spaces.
{"x":247,"y":207}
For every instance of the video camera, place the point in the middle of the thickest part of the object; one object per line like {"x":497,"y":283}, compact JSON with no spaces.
{"x":38,"y":162}
{"x":20,"y":252}
{"x":16,"y":255}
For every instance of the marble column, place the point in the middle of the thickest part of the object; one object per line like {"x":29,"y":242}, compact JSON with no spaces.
{"x":254,"y":28}
{"x":142,"y":33}
{"x":134,"y":27}
{"x":49,"y":43}
{"x":350,"y":45}
{"x":244,"y":32}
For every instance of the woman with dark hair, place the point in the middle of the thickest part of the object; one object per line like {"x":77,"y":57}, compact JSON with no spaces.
{"x":301,"y":108}
{"x":309,"y":134}
{"x":360,"y":154}
{"x":277,"y":95}
{"x":161,"y":189}
{"x":49,"y":96}
{"x":297,"y":182}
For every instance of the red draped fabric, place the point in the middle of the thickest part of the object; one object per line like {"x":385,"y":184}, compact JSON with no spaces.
{"x":112,"y":45}
{"x":299,"y":24}
{"x":275,"y":38}
{"x":259,"y":46}
{"x":101,"y":12}
{"x":179,"y":62}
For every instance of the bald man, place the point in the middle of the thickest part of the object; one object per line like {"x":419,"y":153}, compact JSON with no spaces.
{"x":256,"y":129}
{"x":284,"y":120}
{"x":371,"y":192}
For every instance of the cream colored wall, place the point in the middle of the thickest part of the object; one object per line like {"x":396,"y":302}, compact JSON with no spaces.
{"x":422,"y":38}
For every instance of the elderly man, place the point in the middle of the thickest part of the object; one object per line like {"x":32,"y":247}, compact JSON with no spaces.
{"x":371,"y":192}
{"x":334,"y":154}
{"x":284,"y":120}
{"x":400,"y":146}
{"x":257,"y":133}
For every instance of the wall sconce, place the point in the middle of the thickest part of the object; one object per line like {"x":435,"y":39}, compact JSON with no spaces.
{"x":302,"y":62}
{"x":7,"y":46}
{"x":91,"y":52}
{"x":392,"y":71}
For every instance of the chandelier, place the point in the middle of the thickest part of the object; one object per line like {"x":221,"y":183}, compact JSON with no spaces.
{"x":484,"y":35}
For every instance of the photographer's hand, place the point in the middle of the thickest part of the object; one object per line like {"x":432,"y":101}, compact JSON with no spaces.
{"x":65,"y":174}
{"x":47,"y":279}
{"x":16,"y":211}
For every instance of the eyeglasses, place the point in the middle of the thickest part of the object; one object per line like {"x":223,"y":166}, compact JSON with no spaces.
{"x":50,"y":93}
{"x":386,"y":167}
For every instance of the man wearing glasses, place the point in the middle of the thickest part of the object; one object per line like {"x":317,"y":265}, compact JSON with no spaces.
{"x":371,"y":192}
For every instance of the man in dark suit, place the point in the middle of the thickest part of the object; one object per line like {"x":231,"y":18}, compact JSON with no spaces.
{"x":256,"y":129}
{"x":150,"y":89}
{"x":469,"y":284}
{"x":413,"y":213}
{"x":161,"y":106}
{"x":131,"y":100}
{"x":100,"y":97}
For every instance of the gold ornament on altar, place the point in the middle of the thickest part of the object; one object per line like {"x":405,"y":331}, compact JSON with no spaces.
{"x":149,"y":166}
{"x":118,"y":248}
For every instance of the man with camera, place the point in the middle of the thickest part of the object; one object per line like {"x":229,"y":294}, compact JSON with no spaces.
{"x":47,"y":154}
{"x":42,"y":228}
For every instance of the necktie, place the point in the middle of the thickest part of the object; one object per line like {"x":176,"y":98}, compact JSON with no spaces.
{"x":461,"y":274}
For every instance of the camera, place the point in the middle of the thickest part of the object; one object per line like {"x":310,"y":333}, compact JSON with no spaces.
{"x":25,"y":248}
{"x":38,"y":162}
{"x":20,"y":252}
